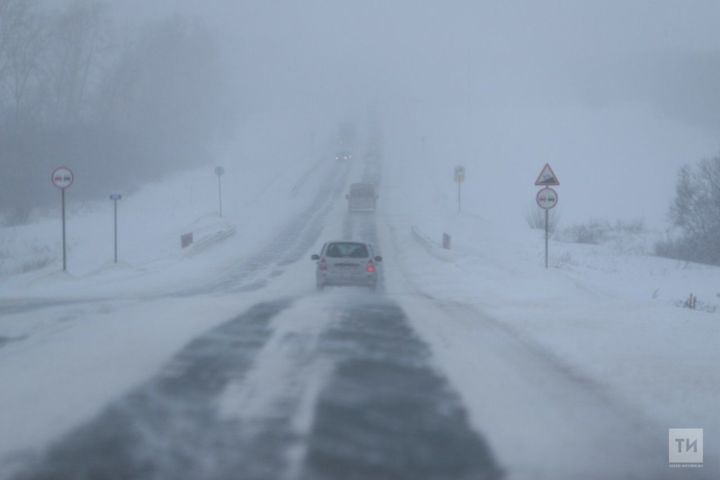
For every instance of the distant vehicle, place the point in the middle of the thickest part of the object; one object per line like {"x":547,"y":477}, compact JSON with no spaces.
{"x":343,"y":156}
{"x":345,"y":263}
{"x":362,"y":197}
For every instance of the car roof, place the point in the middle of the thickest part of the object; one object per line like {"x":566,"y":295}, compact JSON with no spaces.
{"x":347,"y":241}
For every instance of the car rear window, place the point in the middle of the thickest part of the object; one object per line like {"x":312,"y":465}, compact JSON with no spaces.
{"x":362,"y":191}
{"x":347,"y":250}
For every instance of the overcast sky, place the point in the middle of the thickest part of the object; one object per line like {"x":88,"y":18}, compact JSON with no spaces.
{"x":615,"y":94}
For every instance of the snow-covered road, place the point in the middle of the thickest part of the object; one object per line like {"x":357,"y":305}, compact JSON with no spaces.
{"x":321,"y":386}
{"x":346,"y":384}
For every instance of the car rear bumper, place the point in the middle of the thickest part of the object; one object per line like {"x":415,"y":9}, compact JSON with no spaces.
{"x":367,"y":280}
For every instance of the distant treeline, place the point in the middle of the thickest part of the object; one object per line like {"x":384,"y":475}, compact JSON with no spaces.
{"x":695,"y":215}
{"x":118,"y":105}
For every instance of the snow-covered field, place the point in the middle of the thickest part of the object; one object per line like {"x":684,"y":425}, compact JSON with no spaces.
{"x":610,"y":314}
{"x":71,"y":342}
{"x":257,"y":203}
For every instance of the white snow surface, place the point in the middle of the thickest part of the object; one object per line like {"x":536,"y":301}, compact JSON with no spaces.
{"x":609,"y":315}
{"x":72,"y":342}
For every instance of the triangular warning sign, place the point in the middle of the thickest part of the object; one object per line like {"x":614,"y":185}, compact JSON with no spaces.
{"x":547,"y":177}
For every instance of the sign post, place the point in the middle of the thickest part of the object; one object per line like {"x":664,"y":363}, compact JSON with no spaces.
{"x":459,"y":179}
{"x":547,"y":199}
{"x":63,"y":178}
{"x":115,"y":197}
{"x":220,"y":171}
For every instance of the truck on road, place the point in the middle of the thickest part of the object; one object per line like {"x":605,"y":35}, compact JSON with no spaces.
{"x":362,"y":197}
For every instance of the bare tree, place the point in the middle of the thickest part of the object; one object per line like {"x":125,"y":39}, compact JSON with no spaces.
{"x":21,"y":49}
{"x":126,"y":110}
{"x":695,"y":213}
{"x":78,"y":40}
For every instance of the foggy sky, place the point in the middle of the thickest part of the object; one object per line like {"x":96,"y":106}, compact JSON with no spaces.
{"x":615,"y":94}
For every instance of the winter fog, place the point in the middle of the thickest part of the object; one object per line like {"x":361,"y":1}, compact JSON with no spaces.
{"x":304,"y":240}
{"x":617,"y":96}
{"x":611,"y":93}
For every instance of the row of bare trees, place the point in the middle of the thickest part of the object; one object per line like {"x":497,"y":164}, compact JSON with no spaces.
{"x":119,"y":104}
{"x":695,"y":214}
{"x":49,"y":60}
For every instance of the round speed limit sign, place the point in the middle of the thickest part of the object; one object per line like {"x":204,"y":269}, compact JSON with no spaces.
{"x":547,"y":198}
{"x":62,"y":177}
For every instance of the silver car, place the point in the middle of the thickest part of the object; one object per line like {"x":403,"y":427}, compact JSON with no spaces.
{"x":347,"y":263}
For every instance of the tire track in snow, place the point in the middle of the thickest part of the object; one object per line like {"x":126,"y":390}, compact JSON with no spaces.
{"x":170,"y":428}
{"x":386,"y":413}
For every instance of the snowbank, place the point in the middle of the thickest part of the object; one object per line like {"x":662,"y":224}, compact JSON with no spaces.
{"x":606,"y":313}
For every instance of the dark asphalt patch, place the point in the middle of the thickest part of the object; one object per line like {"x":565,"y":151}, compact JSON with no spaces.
{"x":5,"y":340}
{"x":386,"y":414}
{"x":15,"y":307}
{"x":169,"y":428}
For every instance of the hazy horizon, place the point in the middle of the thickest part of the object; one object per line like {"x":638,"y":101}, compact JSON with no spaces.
{"x":615,"y":95}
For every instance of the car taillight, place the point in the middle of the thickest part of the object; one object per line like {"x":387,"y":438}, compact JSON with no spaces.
{"x":370,"y":267}
{"x":322,"y":265}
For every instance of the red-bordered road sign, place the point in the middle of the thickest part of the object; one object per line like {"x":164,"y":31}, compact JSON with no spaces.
{"x":62,"y":177}
{"x":547,"y":198}
{"x":547,"y":177}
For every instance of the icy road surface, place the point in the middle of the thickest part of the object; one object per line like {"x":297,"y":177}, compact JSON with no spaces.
{"x":350,"y":385}
{"x":355,"y":399}
{"x":324,"y":387}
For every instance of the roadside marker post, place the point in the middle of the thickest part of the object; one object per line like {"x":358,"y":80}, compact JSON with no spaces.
{"x":115,"y":197}
{"x":186,"y":240}
{"x":459,"y":179}
{"x":220,"y":171}
{"x":63,"y":178}
{"x":547,"y":199}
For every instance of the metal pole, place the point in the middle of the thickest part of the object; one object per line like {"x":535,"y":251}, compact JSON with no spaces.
{"x":547,"y":235}
{"x":220,"y":194}
{"x":62,"y":197}
{"x":459,"y":201}
{"x":116,"y":231}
